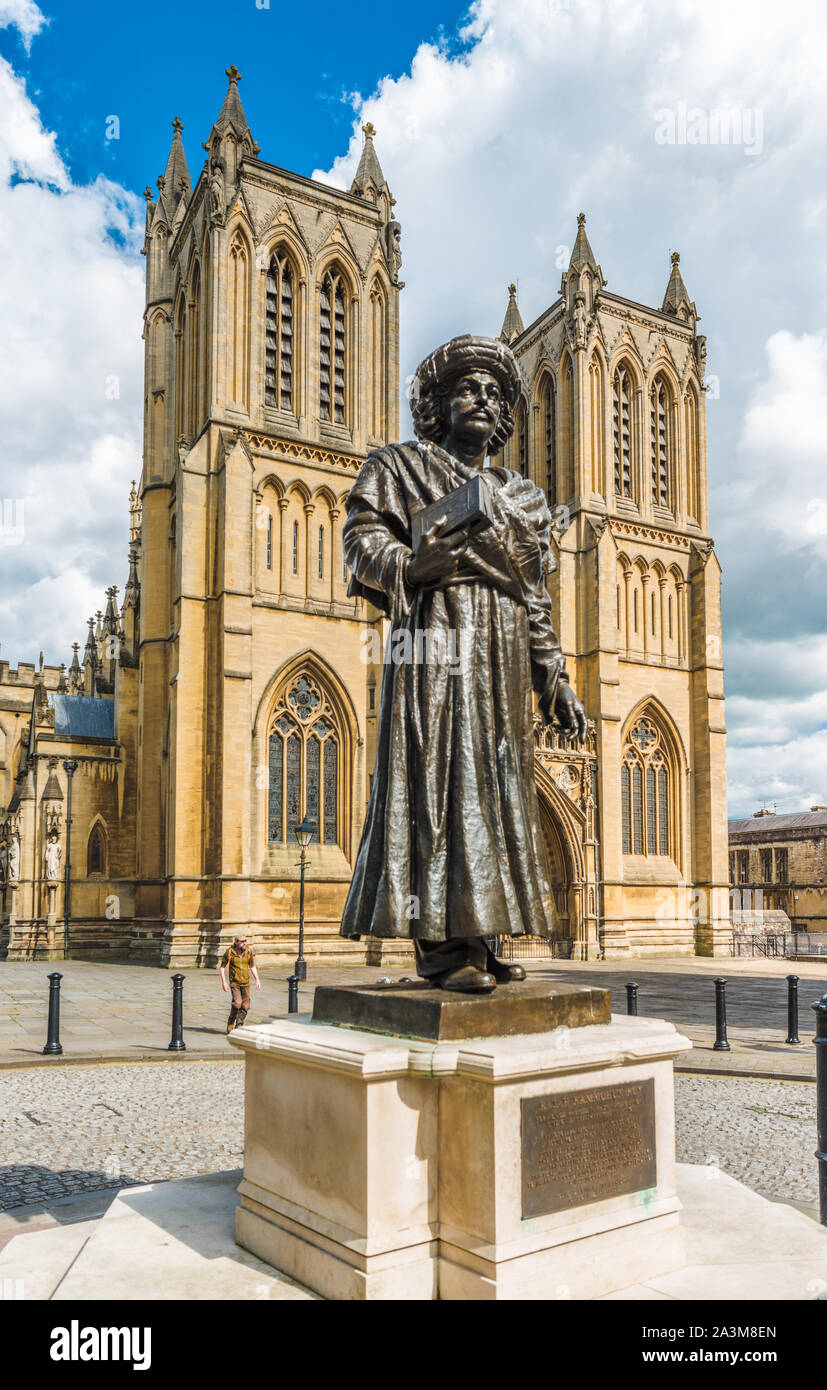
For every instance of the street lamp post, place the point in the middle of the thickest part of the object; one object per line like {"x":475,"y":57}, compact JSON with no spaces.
{"x":70,"y":767}
{"x":304,"y":834}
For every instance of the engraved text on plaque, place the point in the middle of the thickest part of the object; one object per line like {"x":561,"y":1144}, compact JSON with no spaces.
{"x":584,"y":1146}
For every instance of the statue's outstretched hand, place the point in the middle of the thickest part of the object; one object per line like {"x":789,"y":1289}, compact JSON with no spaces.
{"x":568,"y":712}
{"x":437,"y":554}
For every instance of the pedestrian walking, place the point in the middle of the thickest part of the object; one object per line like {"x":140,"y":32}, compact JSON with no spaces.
{"x":240,"y":961}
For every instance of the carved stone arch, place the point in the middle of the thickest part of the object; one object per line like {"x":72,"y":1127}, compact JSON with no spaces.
{"x":271,"y":480}
{"x":283,"y":234}
{"x":563,"y":828}
{"x":317,"y":664}
{"x":97,"y":848}
{"x":650,"y":731}
{"x":298,"y":489}
{"x":306,"y":734}
{"x":324,"y":495}
{"x":339,"y":256}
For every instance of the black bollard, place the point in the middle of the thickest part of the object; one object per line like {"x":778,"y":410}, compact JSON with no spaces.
{"x":292,"y":994}
{"x":177,"y":1044}
{"x":821,"y":1102}
{"x":631,"y":999}
{"x":720,"y":1044}
{"x":53,"y":1047}
{"x":792,"y":1009}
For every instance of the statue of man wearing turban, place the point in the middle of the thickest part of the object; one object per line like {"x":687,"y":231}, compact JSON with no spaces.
{"x":452,"y":854}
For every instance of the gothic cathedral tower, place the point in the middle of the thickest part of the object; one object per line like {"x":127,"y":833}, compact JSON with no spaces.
{"x":612,"y":426}
{"x":271,"y":333}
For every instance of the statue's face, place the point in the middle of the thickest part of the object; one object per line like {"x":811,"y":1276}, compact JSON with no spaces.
{"x":472,"y":408}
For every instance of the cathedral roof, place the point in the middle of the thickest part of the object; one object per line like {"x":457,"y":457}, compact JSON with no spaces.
{"x":83,"y":716}
{"x":370,"y":170}
{"x":512,"y":323}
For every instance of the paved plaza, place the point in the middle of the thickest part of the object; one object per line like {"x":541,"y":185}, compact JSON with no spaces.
{"x":123,"y":1012}
{"x":84,"y":1128}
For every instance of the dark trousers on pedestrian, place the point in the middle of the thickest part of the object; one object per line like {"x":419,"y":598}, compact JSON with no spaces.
{"x":240,"y":995}
{"x":435,"y":958}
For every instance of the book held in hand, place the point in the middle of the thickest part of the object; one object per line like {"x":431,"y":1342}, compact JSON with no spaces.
{"x":467,"y":507}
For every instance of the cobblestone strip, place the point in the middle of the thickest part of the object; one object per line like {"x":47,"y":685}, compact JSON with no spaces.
{"x":80,"y":1129}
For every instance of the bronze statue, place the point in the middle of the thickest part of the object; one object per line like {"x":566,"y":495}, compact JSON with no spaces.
{"x":451,"y":853}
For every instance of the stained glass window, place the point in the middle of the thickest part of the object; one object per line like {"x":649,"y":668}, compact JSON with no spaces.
{"x":275,"y":801}
{"x":651,"y":832}
{"x":644,"y":792}
{"x":304,"y":754}
{"x":637,"y":807}
{"x":331,"y":792}
{"x":313,"y":778}
{"x":663,"y":812}
{"x":293,"y":779}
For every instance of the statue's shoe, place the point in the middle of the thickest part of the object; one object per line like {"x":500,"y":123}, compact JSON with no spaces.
{"x":503,"y":972}
{"x":468,"y":980}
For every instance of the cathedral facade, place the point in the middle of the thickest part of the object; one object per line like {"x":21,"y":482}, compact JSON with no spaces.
{"x":149,"y":795}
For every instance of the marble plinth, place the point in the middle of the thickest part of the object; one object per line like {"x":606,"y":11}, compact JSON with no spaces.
{"x":381,"y":1167}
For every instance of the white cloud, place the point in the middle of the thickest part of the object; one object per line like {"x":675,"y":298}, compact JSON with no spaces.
{"x":70,"y":378}
{"x":493,"y":142}
{"x":24,"y":16}
{"x":547,"y":108}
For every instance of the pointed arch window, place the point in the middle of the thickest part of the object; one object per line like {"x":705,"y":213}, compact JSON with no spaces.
{"x":548,"y":412}
{"x":238,"y":325}
{"x":180,"y":368}
{"x":304,"y":758}
{"x":691,"y":436}
{"x":96,"y":853}
{"x":645,"y":792}
{"x":332,"y":349}
{"x":521,"y":437}
{"x":596,"y":420}
{"x":193,"y":413}
{"x":660,"y":429}
{"x":622,"y":428}
{"x":378,"y":354}
{"x":279,"y":336}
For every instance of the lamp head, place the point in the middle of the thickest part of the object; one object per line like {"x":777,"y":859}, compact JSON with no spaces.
{"x":304,"y":832}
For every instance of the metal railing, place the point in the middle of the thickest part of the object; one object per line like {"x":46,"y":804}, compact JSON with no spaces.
{"x":533,"y":948}
{"x":786,"y":945}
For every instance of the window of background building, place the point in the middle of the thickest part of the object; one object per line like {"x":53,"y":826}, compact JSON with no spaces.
{"x":781,"y":866}
{"x":743,"y":866}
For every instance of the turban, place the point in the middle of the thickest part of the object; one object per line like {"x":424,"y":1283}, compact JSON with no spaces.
{"x":464,"y":354}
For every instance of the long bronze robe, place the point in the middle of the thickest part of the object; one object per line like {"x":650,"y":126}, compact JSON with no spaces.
{"x":452,"y":844}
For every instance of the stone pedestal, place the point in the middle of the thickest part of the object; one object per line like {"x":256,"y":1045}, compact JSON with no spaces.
{"x":534,"y":1166}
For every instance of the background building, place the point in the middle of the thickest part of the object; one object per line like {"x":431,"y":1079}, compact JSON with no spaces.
{"x":779,"y":864}
{"x":228,"y":694}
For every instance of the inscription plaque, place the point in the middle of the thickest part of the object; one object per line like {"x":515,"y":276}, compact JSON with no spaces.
{"x":584,"y":1146}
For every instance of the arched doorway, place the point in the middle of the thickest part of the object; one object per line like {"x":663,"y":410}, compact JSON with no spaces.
{"x":560,"y":869}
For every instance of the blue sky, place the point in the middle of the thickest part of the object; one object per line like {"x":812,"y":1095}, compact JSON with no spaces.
{"x":492,"y":139}
{"x":149,"y":62}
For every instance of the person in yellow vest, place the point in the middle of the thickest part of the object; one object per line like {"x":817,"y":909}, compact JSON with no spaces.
{"x":241,"y":962}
